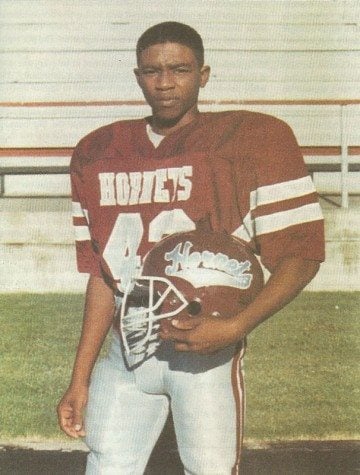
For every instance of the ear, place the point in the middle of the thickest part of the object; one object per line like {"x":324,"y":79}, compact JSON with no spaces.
{"x":137,"y":75}
{"x":204,"y":75}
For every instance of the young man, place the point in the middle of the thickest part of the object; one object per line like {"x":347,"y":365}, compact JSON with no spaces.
{"x":134,"y":182}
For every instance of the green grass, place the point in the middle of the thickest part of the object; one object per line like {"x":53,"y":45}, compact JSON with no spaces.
{"x":303,"y":370}
{"x":37,"y":343}
{"x":301,"y":367}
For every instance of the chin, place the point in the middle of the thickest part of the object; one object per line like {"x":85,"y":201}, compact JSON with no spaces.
{"x":167,"y":120}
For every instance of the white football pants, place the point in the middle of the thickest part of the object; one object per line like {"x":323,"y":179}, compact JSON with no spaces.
{"x":127,"y":410}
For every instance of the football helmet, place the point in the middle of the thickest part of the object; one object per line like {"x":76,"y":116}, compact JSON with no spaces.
{"x":189,"y":273}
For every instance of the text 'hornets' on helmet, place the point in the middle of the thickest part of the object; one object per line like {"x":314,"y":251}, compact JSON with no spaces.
{"x":191,"y":273}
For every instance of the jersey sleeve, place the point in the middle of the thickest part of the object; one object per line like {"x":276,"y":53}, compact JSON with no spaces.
{"x":284,"y":217}
{"x":86,"y":256}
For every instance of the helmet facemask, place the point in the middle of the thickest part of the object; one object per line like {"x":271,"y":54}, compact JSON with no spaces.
{"x":142,"y":308}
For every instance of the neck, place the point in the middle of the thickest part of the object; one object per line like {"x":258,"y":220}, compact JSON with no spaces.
{"x":168,"y":126}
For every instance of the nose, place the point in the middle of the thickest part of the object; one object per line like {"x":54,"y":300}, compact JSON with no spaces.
{"x":165,"y":80}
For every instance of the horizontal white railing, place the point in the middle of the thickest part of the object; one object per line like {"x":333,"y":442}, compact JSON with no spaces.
{"x":38,"y":139}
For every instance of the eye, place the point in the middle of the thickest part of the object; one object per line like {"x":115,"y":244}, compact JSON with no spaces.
{"x":148,"y":72}
{"x":182,"y":70}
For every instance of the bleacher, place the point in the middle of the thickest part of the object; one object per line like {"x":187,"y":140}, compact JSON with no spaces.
{"x":67,"y":69}
{"x":327,"y":132}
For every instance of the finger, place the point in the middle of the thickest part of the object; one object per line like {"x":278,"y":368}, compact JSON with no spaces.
{"x":80,"y":430}
{"x":202,"y":349}
{"x":65,"y":414}
{"x":187,"y":323}
{"x":173,"y":334}
{"x":72,"y":430}
{"x":78,"y":421}
{"x":68,"y":423}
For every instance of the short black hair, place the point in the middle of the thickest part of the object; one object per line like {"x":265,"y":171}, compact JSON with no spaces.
{"x":172,"y":32}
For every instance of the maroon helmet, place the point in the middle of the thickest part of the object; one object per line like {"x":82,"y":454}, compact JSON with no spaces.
{"x":187,"y":274}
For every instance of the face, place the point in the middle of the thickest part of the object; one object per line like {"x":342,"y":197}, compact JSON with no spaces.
{"x":170,"y":78}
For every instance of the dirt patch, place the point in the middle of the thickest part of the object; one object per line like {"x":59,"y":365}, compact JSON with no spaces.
{"x":304,"y":458}
{"x":292,"y":458}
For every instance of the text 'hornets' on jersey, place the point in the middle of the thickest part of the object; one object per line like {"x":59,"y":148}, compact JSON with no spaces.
{"x":163,"y":185}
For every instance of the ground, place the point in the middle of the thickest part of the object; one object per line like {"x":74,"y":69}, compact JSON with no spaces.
{"x":283,"y":458}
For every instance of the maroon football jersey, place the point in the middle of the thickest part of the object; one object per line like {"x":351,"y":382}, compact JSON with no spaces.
{"x":237,"y":172}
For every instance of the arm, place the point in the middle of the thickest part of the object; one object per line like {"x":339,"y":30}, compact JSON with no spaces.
{"x":284,"y":221}
{"x":206,"y":335}
{"x":98,"y":316}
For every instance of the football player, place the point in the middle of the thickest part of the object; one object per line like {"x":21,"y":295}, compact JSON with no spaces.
{"x":169,"y":211}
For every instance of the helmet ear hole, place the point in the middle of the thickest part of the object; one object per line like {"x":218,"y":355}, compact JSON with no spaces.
{"x":194,"y":307}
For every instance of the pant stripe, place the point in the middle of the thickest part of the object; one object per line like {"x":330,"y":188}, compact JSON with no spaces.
{"x":237,"y":379}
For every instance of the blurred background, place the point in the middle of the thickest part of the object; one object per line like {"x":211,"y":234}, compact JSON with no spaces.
{"x":66,"y":68}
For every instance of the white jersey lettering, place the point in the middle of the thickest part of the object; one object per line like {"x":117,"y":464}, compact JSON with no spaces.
{"x":147,"y":187}
{"x":122,"y":188}
{"x":121,"y":252}
{"x":135,"y":187}
{"x":185,"y":183}
{"x":107,"y":189}
{"x":163,"y":185}
{"x":161,"y":195}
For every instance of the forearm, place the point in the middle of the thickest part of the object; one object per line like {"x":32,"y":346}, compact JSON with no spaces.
{"x":289,"y":278}
{"x":206,"y":334}
{"x":98,"y":316}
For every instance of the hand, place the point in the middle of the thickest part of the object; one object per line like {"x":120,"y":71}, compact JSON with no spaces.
{"x":70,"y":411}
{"x":203,"y":335}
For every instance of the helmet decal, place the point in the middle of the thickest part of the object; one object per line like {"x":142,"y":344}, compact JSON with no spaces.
{"x":211,"y":268}
{"x":193,"y":273}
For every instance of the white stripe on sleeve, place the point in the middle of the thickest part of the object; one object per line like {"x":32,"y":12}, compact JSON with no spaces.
{"x":284,"y":191}
{"x":283,"y":219}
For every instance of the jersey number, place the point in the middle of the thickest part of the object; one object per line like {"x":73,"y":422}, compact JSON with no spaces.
{"x":121,"y":250}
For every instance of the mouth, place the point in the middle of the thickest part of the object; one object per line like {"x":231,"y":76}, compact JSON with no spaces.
{"x":167,"y":101}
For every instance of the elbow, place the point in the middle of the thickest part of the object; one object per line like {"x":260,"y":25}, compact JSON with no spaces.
{"x":299,"y":270}
{"x":310,"y":269}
